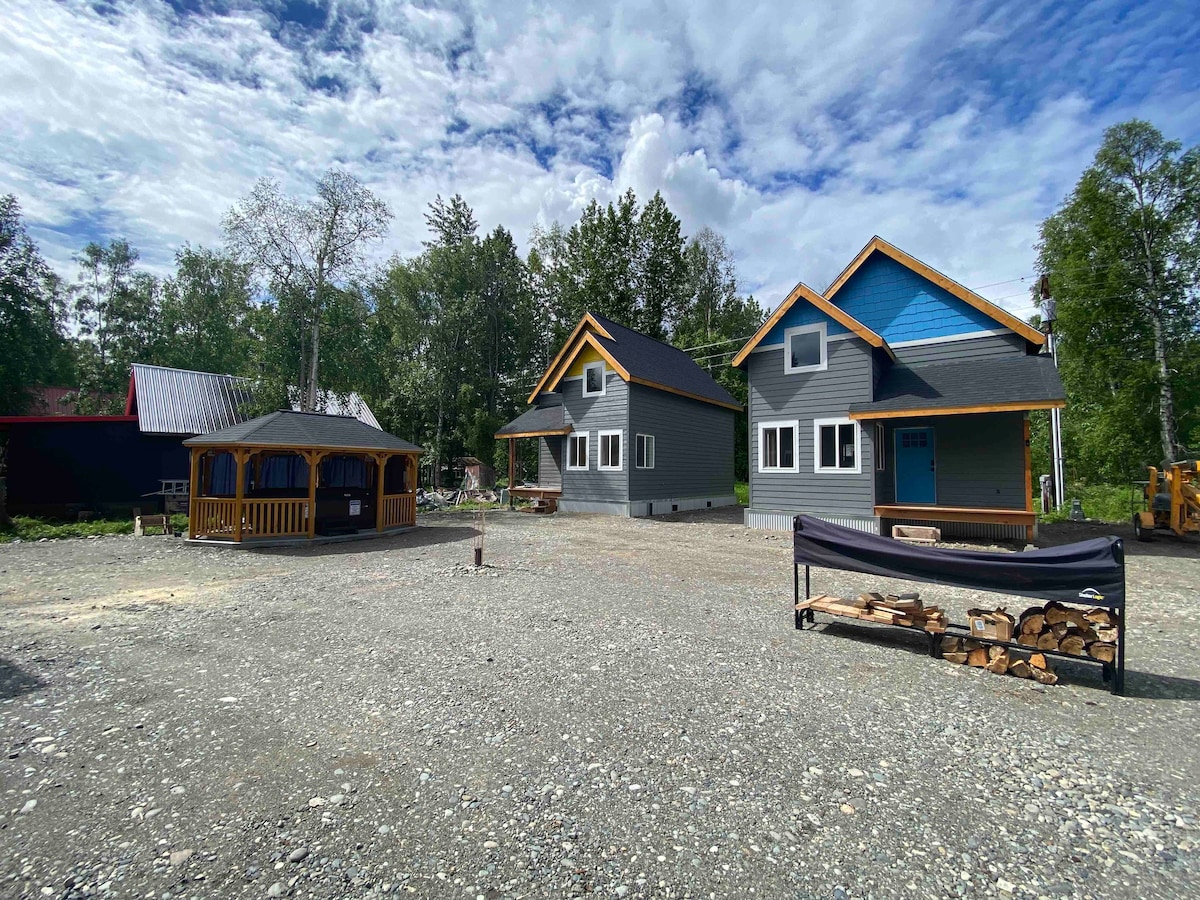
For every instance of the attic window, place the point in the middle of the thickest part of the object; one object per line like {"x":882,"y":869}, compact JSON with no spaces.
{"x":804,"y":349}
{"x":593,"y":379}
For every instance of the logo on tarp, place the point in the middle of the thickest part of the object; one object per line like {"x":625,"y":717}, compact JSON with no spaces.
{"x":1091,"y":594}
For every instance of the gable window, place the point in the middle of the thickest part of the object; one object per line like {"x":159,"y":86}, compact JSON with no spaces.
{"x":610,"y":451}
{"x":778,"y":448}
{"x":804,"y":349}
{"x":644,"y":452}
{"x":577,"y":451}
{"x":880,"y":448}
{"x":593,"y":379}
{"x":836,"y":444}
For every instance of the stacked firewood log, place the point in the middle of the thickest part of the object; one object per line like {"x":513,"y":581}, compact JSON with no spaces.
{"x":1055,"y":626}
{"x":887,"y":609}
{"x":999,"y":660}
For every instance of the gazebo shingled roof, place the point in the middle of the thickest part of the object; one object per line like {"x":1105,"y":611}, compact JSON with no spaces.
{"x":286,"y":428}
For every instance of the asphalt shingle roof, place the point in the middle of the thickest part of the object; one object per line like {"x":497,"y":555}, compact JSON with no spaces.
{"x":533,"y":421}
{"x":286,"y":428}
{"x":976,"y":382}
{"x":645,"y":358}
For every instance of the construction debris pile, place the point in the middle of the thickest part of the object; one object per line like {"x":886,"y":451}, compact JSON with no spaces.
{"x":438,"y":500}
{"x":887,"y":609}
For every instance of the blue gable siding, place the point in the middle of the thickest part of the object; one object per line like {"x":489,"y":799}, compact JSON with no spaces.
{"x":803,"y":313}
{"x":900,"y":305}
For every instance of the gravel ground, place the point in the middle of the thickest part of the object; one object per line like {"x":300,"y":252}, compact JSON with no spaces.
{"x":611,"y":707}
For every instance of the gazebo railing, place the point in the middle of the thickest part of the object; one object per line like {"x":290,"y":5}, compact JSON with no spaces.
{"x":275,"y":517}
{"x":399,"y":509}
{"x":214,"y":515}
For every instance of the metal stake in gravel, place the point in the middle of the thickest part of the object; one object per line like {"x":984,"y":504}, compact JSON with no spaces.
{"x":479,"y":526}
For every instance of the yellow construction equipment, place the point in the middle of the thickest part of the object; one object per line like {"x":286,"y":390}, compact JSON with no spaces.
{"x":1172,"y":497}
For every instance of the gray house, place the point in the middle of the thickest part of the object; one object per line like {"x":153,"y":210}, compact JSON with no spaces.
{"x":627,"y":425}
{"x":897,"y":396}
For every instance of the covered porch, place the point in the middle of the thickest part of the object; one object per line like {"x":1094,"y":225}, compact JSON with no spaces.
{"x":952,"y":445}
{"x":291,"y":475}
{"x":546,"y":425}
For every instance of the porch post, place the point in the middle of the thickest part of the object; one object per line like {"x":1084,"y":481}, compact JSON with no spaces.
{"x":193,"y":491}
{"x":381,"y":461}
{"x":239,"y":456}
{"x":512,"y":468}
{"x":1028,"y":478}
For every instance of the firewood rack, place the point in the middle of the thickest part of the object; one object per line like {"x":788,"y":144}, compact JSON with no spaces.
{"x":1100,"y":561}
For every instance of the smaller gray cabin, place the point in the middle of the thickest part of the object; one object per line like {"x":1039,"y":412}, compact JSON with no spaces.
{"x":627,"y":425}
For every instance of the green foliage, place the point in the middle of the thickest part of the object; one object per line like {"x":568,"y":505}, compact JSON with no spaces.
{"x":31,"y":315}
{"x":25,"y":528}
{"x":1101,"y":502}
{"x":742,"y":490}
{"x":206,"y":307}
{"x":1122,"y":257}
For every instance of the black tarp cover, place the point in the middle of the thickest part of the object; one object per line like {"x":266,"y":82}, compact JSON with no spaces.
{"x":1090,"y":571}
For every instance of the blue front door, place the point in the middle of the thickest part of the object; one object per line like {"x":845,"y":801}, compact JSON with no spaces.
{"x":916,"y":476}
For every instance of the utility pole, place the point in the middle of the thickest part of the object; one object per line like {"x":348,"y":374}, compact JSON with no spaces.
{"x":1056,"y":450}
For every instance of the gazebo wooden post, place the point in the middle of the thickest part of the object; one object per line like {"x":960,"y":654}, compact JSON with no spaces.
{"x":381,"y":461}
{"x":193,"y":491}
{"x":239,"y":494}
{"x":512,"y":469}
{"x":314,"y":458}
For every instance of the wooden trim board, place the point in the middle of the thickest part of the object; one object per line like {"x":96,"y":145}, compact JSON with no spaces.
{"x":1013,"y":406}
{"x":1024,"y":329}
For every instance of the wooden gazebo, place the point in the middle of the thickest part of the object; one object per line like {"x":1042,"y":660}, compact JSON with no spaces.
{"x":292,"y":474}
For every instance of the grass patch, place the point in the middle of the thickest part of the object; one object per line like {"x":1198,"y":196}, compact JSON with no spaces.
{"x":1101,"y":502}
{"x":742,"y":489}
{"x":26,"y":528}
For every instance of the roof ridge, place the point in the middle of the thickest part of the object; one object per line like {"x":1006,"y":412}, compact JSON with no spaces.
{"x":638,"y":333}
{"x":188,"y":371}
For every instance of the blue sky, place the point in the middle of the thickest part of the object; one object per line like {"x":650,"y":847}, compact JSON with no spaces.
{"x":797,"y":130}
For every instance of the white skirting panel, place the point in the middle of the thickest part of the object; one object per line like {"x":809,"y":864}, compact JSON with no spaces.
{"x":779,"y":520}
{"x":679,"y":504}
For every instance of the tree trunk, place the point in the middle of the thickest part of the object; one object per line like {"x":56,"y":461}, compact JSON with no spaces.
{"x":311,"y":402}
{"x":1166,"y":396}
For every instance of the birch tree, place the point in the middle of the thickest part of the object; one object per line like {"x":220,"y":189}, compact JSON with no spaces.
{"x":308,"y":250}
{"x":1122,"y":257}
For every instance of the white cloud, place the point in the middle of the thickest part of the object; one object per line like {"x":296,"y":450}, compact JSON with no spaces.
{"x":797,"y":131}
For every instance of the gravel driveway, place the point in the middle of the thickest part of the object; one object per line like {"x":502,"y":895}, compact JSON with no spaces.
{"x":613,"y":707}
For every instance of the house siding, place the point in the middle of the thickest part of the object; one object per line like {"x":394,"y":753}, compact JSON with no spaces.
{"x":987,"y":346}
{"x":776,"y":395}
{"x":550,"y":452}
{"x":594,"y":414}
{"x":900,"y":305}
{"x":693,"y":446}
{"x":980,"y":460}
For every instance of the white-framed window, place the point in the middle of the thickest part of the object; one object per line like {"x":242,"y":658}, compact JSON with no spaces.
{"x":610,"y":450}
{"x":577,"y":451}
{"x":779,"y":446}
{"x":804,"y":349}
{"x":593,"y":379}
{"x":836,"y":446}
{"x":880,"y":447}
{"x":643,"y":453}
